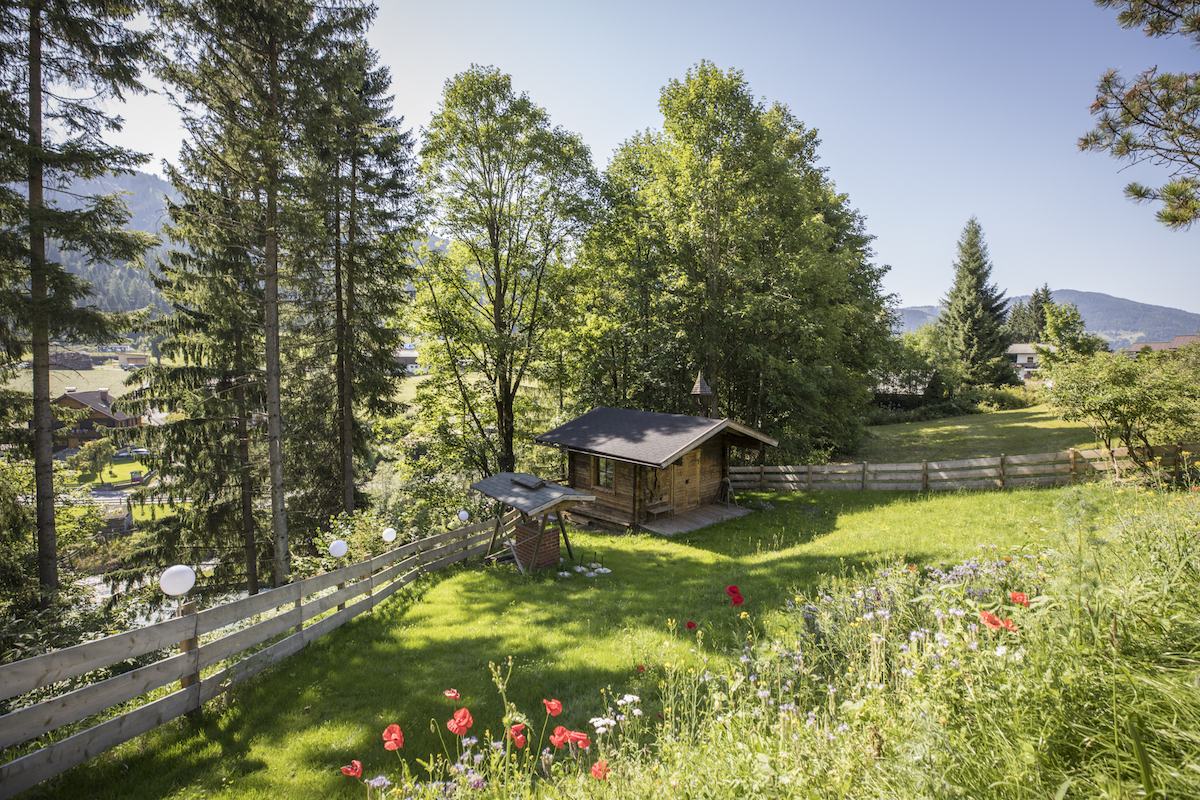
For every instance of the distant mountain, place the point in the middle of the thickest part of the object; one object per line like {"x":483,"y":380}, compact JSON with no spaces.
{"x":1121,"y":322}
{"x":118,"y":287}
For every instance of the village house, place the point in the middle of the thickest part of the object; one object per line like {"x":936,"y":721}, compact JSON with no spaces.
{"x":100,"y":414}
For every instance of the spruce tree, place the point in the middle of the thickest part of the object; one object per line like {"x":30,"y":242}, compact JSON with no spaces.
{"x":209,"y":451}
{"x":360,"y":181}
{"x":973,"y":320}
{"x":59,"y":62}
{"x":251,"y":71}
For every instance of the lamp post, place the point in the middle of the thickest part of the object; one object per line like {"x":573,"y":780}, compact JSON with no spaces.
{"x":337,"y":549}
{"x":175,"y":582}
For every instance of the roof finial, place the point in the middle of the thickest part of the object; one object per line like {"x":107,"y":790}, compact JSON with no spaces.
{"x":701,"y":394}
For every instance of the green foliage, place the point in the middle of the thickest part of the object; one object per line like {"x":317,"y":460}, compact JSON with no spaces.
{"x":93,"y":457}
{"x":973,"y":322}
{"x":1067,"y":338}
{"x":1125,"y":400}
{"x":726,"y":250}
{"x":1155,"y":117}
{"x":970,"y":401}
{"x":513,"y":194}
{"x":59,"y":64}
{"x":1027,"y":321}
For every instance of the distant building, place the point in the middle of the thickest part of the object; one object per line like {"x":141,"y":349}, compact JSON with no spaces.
{"x":1025,"y":360}
{"x":1182,"y":340}
{"x":132,"y":360}
{"x":100,"y":414}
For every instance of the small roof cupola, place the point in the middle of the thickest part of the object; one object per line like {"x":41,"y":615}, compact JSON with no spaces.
{"x":702,"y":394}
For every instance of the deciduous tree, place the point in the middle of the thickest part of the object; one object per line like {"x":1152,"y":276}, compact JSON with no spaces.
{"x":514,"y":194}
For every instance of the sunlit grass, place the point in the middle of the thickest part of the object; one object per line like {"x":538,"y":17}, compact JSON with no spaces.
{"x":286,"y":734}
{"x":1027,"y":430}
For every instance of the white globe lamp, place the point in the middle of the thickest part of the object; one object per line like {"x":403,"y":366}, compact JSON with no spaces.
{"x":463,"y":516}
{"x":337,"y":548}
{"x":177,"y":580}
{"x":389,"y":534}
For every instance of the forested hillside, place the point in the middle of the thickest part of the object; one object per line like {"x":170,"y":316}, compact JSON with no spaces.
{"x":117,"y":286}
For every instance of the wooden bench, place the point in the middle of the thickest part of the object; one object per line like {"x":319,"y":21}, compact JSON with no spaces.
{"x":658,"y":508}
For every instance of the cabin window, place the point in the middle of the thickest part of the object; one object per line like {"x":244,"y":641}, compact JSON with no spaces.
{"x":603,"y":473}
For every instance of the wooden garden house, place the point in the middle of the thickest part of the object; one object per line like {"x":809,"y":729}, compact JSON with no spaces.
{"x":643,"y":465}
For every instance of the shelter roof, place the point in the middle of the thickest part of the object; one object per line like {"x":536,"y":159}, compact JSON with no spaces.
{"x":528,"y":494}
{"x":649,"y":438}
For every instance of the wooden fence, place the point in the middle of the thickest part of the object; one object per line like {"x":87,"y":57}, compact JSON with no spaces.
{"x":1040,"y":469}
{"x":212,"y":655}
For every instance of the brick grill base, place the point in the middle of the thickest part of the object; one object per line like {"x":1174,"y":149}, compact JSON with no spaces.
{"x":525,"y":536}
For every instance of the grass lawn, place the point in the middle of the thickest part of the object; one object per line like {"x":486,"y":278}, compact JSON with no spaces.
{"x":286,"y":733}
{"x":122,"y":467}
{"x":1028,"y":430}
{"x":86,"y":380}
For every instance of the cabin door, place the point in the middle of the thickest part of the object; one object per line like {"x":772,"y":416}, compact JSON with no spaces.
{"x":687,"y":482}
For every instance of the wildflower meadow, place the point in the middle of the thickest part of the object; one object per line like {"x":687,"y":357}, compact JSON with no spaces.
{"x":1060,"y":662}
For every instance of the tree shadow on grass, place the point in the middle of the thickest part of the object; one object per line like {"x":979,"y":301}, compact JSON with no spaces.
{"x":287,"y":732}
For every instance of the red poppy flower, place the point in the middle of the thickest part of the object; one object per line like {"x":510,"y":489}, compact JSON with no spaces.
{"x":911,"y":568}
{"x":989,"y":619}
{"x":560,"y":737}
{"x":600,"y":770}
{"x":393,"y":738}
{"x":641,"y":667}
{"x":354,"y":770}
{"x":732,"y":591}
{"x":580,"y":738}
{"x":691,"y":626}
{"x":1008,"y":623}
{"x":451,"y":693}
{"x":1020,"y":598}
{"x":737,"y":600}
{"x":553,"y":707}
{"x":460,"y":722}
{"x":515,"y":734}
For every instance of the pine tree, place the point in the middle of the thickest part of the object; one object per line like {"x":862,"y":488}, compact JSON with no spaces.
{"x":58,"y":63}
{"x":974,"y":317}
{"x":1027,"y":321}
{"x":251,"y":71}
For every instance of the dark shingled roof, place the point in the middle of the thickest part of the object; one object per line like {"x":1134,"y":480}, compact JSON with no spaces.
{"x":99,"y":401}
{"x":528,"y":494}
{"x":642,"y":437}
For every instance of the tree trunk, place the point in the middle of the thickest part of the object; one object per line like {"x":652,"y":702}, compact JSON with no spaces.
{"x":271,"y":345}
{"x":247,"y":482}
{"x":43,"y":418}
{"x":346,"y":353}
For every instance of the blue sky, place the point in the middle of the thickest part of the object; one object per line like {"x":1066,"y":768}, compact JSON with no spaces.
{"x":929,"y":112}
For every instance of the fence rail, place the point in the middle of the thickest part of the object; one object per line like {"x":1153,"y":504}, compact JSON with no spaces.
{"x":214,"y":653}
{"x":1039,"y":469}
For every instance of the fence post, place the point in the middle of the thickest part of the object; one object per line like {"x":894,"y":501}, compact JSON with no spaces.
{"x":864,"y":476}
{"x":810,"y":477}
{"x":1071,"y":474}
{"x":1002,"y":470}
{"x":1178,"y":460}
{"x":186,"y":646}
{"x":762,"y":478}
{"x":924,"y":476}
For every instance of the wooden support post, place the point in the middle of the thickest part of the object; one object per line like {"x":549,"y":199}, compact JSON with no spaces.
{"x":924,"y":476}
{"x":1071,"y":474}
{"x":1002,"y":470}
{"x":300,"y":626}
{"x":341,"y":606}
{"x":864,"y":476}
{"x":762,"y":458}
{"x":1178,"y":461}
{"x":187,"y":646}
{"x":810,"y":477}
{"x":562,"y":527}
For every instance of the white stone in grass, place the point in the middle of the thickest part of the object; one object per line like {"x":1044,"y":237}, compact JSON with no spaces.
{"x":564,"y":574}
{"x":589,"y":574}
{"x":603,"y":570}
{"x":581,"y":568}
